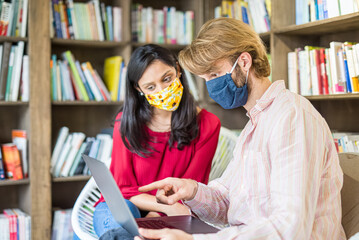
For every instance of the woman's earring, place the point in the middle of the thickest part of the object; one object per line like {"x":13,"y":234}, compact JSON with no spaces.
{"x":141,"y":93}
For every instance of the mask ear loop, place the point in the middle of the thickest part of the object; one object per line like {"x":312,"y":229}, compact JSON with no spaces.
{"x":234,"y":66}
{"x":246,"y":77}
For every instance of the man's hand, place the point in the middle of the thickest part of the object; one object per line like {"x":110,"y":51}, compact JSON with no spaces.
{"x":164,"y":234}
{"x":171,"y":190}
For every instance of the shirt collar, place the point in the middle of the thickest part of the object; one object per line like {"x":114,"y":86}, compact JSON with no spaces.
{"x":267,"y":98}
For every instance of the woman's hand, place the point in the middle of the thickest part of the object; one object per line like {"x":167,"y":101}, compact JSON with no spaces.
{"x":152,"y":214}
{"x":176,"y":210}
{"x":164,"y":234}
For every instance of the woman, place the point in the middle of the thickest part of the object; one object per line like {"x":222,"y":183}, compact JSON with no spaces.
{"x":160,"y":133}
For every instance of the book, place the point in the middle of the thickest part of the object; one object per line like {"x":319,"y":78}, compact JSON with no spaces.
{"x":15,"y":80}
{"x":111,"y":74}
{"x":9,"y":74}
{"x":19,"y":138}
{"x":99,"y":83}
{"x":85,"y":82}
{"x":2,"y":169}
{"x":63,"y":156}
{"x":4,"y":227}
{"x":12,"y":161}
{"x":4,"y":69}
{"x":75,"y":147}
{"x":62,"y":136}
{"x":5,"y":17}
{"x":93,"y":86}
{"x":11,"y":216}
{"x":25,"y":83}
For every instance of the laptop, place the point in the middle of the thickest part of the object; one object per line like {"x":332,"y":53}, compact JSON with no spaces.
{"x":122,"y":213}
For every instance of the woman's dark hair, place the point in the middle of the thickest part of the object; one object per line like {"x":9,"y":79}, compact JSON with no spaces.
{"x":137,"y":111}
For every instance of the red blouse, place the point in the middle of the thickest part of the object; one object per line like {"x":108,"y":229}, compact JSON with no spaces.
{"x":131,"y":171}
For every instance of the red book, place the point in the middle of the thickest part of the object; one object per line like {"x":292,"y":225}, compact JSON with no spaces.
{"x":319,"y":72}
{"x":12,"y":161}
{"x":323,"y":71}
{"x":12,"y":223}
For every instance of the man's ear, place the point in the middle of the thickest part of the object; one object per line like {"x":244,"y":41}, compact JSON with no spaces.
{"x":245,"y":61}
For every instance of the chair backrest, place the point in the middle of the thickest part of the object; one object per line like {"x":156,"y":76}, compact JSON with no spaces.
{"x":82,"y":213}
{"x":224,"y":153}
{"x":349,"y":162}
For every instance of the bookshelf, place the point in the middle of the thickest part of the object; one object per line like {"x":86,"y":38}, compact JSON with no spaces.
{"x":41,"y":193}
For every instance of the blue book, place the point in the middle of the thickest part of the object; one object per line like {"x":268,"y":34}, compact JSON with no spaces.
{"x":57,"y":18}
{"x":119,"y":81}
{"x":245,"y":15}
{"x":299,"y":12}
{"x":110,"y":22}
{"x":346,"y":72}
{"x":83,"y":79}
{"x":53,"y":78}
{"x":316,"y":10}
{"x":2,"y":171}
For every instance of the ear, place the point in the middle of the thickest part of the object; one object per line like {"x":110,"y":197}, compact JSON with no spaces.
{"x":245,"y":61}
{"x":138,"y":89}
{"x":178,"y":69}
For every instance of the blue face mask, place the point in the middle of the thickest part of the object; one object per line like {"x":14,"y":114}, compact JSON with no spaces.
{"x":223,"y":90}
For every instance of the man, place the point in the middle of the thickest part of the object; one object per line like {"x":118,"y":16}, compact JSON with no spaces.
{"x":284,"y":180}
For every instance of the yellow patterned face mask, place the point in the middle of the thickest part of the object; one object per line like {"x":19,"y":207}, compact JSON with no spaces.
{"x":168,"y":98}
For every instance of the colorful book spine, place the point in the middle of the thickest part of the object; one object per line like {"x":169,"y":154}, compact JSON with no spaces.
{"x":12,"y":162}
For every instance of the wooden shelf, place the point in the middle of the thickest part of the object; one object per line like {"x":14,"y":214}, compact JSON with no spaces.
{"x":331,"y":25}
{"x":265,"y":36}
{"x":5,"y":103}
{"x":78,"y":178}
{"x":86,"y":103}
{"x":14,"y":182}
{"x":333,"y":97}
{"x":12,"y":39}
{"x":87,"y":43}
{"x":169,"y":46}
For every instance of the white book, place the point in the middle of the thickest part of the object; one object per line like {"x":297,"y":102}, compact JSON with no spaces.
{"x":99,"y":20}
{"x":20,"y":223}
{"x":192,"y":85}
{"x":346,"y":6}
{"x":15,"y":77}
{"x":314,"y":76}
{"x":4,"y":227}
{"x":11,"y":18}
{"x":63,"y":155}
{"x":334,"y":67}
{"x":123,"y":83}
{"x":63,"y":133}
{"x":96,"y":92}
{"x":341,"y":74}
{"x":75,"y":146}
{"x":181,"y":28}
{"x":116,"y":26}
{"x":292,"y":72}
{"x":149,"y":24}
{"x":58,"y":81}
{"x":143,"y":30}
{"x":304,"y":74}
{"x":189,"y":26}
{"x":25,"y":86}
{"x":106,"y":150}
{"x":1,"y":50}
{"x":24,"y":18}
{"x":333,"y":8}
{"x":174,"y":25}
{"x":102,"y":85}
{"x":70,"y":95}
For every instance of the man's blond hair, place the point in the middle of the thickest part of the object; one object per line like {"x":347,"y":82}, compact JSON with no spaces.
{"x":224,"y":38}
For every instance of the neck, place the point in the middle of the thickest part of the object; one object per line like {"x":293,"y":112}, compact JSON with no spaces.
{"x":161,"y":120}
{"x":258,"y":88}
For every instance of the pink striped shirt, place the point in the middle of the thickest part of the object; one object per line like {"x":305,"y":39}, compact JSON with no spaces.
{"x":284,"y":181}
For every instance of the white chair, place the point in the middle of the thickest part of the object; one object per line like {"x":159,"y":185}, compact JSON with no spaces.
{"x":82,"y":213}
{"x":349,"y":162}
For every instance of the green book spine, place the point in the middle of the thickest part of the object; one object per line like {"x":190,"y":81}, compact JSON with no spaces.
{"x":9,"y":74}
{"x":78,"y":81}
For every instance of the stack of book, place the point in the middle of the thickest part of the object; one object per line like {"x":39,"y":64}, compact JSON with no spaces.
{"x":61,"y":227}
{"x":15,"y":224}
{"x":313,"y":10}
{"x":13,"y":18}
{"x":255,"y":13}
{"x":13,"y":157}
{"x":14,"y":72}
{"x":317,"y":70}
{"x":72,"y":80}
{"x":85,"y":21}
{"x":346,"y":141}
{"x":66,"y":157}
{"x":165,"y":25}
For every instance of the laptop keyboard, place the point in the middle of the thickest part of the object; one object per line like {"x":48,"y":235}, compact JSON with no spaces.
{"x":154,"y":224}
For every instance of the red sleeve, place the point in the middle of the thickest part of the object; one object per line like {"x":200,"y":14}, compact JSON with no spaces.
{"x":205,"y":148}
{"x":122,"y":165}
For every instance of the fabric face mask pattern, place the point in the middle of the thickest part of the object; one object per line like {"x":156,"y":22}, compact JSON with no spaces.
{"x":169,"y":98}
